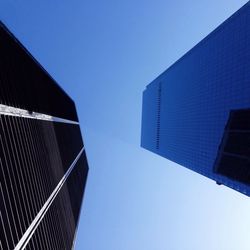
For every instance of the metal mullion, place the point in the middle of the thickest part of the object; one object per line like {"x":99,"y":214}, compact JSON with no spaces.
{"x":38,"y":241}
{"x":31,"y":165}
{"x":66,"y":238}
{"x":67,"y":210}
{"x":36,"y":154}
{"x":6,"y":239}
{"x":60,"y":226}
{"x":64,"y":209}
{"x":16,"y":174}
{"x":28,"y":247}
{"x":37,"y":220}
{"x":22,"y":161}
{"x":71,"y":217}
{"x":46,"y":235}
{"x":33,"y":243}
{"x":45,"y":232}
{"x":57,"y":159}
{"x":28,"y":163}
{"x":31,"y":155}
{"x":49,"y":218}
{"x":69,"y":207}
{"x":16,"y":198}
{"x":45,"y":181}
{"x":11,"y":184}
{"x":81,"y":177}
{"x":60,"y":169}
{"x":64,"y":234}
{"x":7,"y":214}
{"x":33,"y":188}
{"x":25,"y":171}
{"x":41,"y":231}
{"x":57,"y":232}
{"x":49,"y":236}
{"x":15,"y":155}
{"x":48,"y":232}
{"x":51,"y":165}
{"x":64,"y":214}
{"x":38,"y":163}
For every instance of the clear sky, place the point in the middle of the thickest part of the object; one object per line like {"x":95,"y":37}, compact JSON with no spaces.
{"x":104,"y":53}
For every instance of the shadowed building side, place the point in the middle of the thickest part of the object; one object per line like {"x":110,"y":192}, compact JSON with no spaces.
{"x":43,"y":163}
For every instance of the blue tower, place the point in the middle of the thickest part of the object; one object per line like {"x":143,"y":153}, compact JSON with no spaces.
{"x":197,"y":112}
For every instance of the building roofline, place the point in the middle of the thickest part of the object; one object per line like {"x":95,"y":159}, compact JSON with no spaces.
{"x":234,"y":15}
{"x":33,"y":58}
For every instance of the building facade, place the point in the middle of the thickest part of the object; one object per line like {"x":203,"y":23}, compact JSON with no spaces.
{"x":197,"y":112}
{"x":43,"y":164}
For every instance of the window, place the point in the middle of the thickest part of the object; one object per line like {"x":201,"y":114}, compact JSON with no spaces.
{"x":233,"y":158}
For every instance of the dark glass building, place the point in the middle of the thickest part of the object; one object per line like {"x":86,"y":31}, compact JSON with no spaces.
{"x":197,"y":112}
{"x":43,"y":164}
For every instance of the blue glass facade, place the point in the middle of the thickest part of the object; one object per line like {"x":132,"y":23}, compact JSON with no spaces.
{"x":187,"y":109}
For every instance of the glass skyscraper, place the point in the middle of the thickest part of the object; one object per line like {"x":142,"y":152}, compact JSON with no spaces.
{"x":43,"y":164}
{"x":197,"y":112}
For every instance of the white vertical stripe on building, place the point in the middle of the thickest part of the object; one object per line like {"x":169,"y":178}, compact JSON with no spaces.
{"x":31,"y":229}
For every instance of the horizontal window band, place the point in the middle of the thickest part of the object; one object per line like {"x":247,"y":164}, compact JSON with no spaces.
{"x":35,"y":223}
{"x":13,"y":111}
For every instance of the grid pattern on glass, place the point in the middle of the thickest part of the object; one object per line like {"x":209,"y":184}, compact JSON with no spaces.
{"x":197,"y":94}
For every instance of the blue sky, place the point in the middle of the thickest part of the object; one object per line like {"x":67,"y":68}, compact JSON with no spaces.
{"x":104,"y":53}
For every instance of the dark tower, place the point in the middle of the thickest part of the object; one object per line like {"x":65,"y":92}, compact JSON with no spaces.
{"x":43,"y":164}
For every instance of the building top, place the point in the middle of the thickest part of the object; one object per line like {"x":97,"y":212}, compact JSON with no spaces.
{"x":245,"y":8}
{"x":26,"y":75}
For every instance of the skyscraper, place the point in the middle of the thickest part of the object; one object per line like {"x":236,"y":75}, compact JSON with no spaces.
{"x":43,"y":164}
{"x":197,"y":112}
